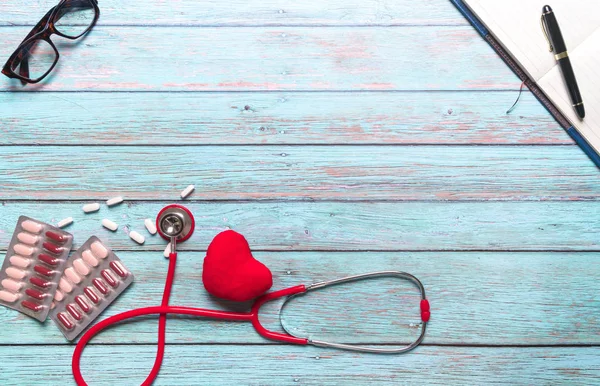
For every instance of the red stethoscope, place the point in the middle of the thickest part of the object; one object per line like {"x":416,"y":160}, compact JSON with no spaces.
{"x":176,"y":224}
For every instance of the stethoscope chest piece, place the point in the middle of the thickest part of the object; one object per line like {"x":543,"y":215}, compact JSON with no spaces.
{"x":175,"y":222}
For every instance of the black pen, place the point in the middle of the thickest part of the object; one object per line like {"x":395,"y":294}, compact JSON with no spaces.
{"x":557,"y":44}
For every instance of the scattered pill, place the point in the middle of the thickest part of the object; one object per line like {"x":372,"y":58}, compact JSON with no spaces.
{"x":89,"y":258}
{"x":35,"y":294}
{"x":89,"y":292}
{"x":15,"y":273}
{"x":73,"y":312}
{"x":19,"y":261}
{"x":110,"y":279}
{"x":99,"y":250}
{"x":52,"y":248}
{"x":36,"y":281}
{"x":65,"y":286}
{"x":81,"y":267}
{"x":43,"y":271}
{"x":89,"y":208}
{"x":8,"y":296}
{"x":137,"y":237}
{"x":110,"y":225}
{"x":55,"y":236}
{"x":100,"y":286}
{"x":24,"y":250}
{"x":187,"y":191}
{"x":167,"y":251}
{"x":11,"y":285}
{"x":59,"y":296}
{"x":31,"y":226}
{"x":64,"y":222}
{"x":27,"y":238}
{"x":47,"y":259}
{"x":118,"y":268}
{"x":64,"y":320}
{"x":72,"y":275}
{"x":114,"y":201}
{"x":31,"y":305}
{"x":83,"y":304}
{"x":150,"y":226}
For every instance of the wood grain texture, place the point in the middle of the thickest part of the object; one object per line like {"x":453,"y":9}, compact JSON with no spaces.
{"x":250,"y":13}
{"x":285,"y":226}
{"x":275,"y":118}
{"x":300,"y":173}
{"x":260,"y":104}
{"x":473,"y":297}
{"x":288,"y":365}
{"x":262,"y":58}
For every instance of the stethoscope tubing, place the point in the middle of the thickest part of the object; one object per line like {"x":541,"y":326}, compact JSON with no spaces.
{"x":252,"y":316}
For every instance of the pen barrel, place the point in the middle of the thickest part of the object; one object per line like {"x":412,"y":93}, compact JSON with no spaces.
{"x":554,"y":33}
{"x":571,"y":83}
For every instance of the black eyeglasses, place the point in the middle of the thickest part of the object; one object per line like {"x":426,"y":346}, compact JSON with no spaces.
{"x":36,"y":56}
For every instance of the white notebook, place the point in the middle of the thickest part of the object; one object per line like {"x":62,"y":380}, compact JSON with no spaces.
{"x":516,"y":25}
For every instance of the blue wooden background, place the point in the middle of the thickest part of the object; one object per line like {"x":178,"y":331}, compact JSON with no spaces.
{"x":340,"y":137}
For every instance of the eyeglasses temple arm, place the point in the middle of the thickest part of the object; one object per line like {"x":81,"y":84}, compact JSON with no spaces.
{"x":24,"y":66}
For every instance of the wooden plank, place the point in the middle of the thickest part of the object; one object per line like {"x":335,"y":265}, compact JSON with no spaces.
{"x":276,"y":118}
{"x":299,"y":226}
{"x":285,"y":58}
{"x":299,"y":172}
{"x":473,"y":297}
{"x":291,"y":365}
{"x":251,"y":13}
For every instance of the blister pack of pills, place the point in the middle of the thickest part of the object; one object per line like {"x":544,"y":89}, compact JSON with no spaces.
{"x":34,"y":263}
{"x":94,"y":277}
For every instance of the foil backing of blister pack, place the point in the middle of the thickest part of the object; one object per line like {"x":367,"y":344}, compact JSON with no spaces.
{"x":34,"y":262}
{"x":93,"y":278}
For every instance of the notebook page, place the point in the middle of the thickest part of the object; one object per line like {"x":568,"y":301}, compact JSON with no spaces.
{"x":516,"y":25}
{"x":586,"y":62}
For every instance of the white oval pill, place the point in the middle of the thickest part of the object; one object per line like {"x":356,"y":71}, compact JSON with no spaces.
{"x":167,"y":251}
{"x":31,"y":226}
{"x":64,"y":222}
{"x":19,"y":261}
{"x":99,"y":250}
{"x":89,"y":208}
{"x":72,"y":275}
{"x":89,"y":258}
{"x":59,"y":296}
{"x":111,"y":225}
{"x":186,"y":192}
{"x":15,"y":273}
{"x":81,"y":267}
{"x":150,"y":226}
{"x":114,"y":201}
{"x":137,"y":237}
{"x":23,"y":249}
{"x":8,"y":297}
{"x":27,"y":238}
{"x":12,"y":285}
{"x":65,"y":286}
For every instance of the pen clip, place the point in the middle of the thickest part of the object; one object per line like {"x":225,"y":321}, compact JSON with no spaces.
{"x":545,"y":30}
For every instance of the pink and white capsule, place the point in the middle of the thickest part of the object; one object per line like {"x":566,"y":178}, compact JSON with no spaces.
{"x":27,"y":238}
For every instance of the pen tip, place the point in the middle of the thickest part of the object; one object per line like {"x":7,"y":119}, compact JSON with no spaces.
{"x":546,"y":9}
{"x":580,"y":111}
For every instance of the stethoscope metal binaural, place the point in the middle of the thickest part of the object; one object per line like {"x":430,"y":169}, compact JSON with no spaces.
{"x":176,"y":224}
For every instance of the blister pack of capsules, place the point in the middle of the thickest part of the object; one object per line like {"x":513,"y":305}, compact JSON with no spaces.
{"x":94,"y":277}
{"x":34,"y":263}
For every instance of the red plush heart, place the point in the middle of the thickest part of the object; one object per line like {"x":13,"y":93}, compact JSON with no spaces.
{"x":231,"y":272}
